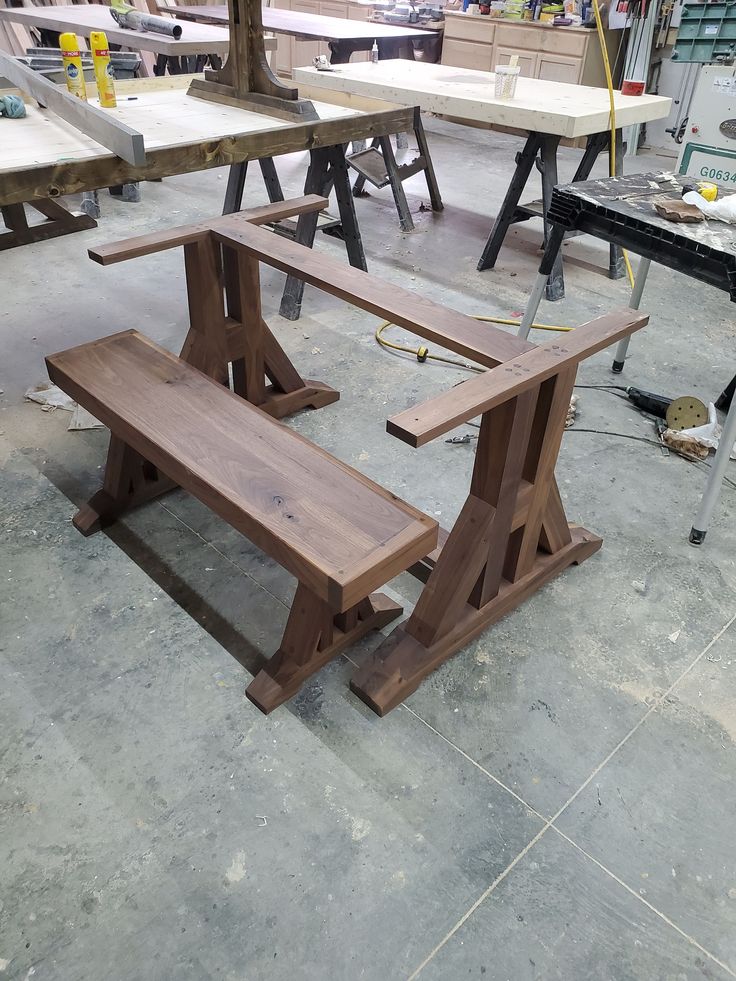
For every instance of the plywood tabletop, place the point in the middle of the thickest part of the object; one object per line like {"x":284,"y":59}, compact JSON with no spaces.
{"x":166,"y":118}
{"x":547,"y":107}
{"x":301,"y":24}
{"x":83,"y":18}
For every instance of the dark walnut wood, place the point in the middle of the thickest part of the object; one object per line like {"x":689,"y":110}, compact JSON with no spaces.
{"x":341,"y":535}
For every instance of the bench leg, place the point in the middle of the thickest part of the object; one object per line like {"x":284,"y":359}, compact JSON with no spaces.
{"x":510,"y":538}
{"x":130,"y":480}
{"x":313,"y":636}
{"x":255,"y":353}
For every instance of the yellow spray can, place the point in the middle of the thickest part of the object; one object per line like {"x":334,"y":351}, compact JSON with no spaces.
{"x":73,"y":71}
{"x":103,"y":69}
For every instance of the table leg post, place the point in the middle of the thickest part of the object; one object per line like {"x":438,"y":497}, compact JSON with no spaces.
{"x":429,"y":174}
{"x":634,"y":301}
{"x":554,"y":243}
{"x":271,"y":179}
{"x":524,"y":163}
{"x":397,"y":188}
{"x":616,"y":264}
{"x":346,"y":206}
{"x":235,"y":187}
{"x":717,"y":472}
{"x":556,"y":283}
{"x":317,"y":182}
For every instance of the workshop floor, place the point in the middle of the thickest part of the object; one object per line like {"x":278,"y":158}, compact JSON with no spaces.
{"x":557,"y":801}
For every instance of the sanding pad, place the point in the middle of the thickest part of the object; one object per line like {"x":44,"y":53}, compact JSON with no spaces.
{"x":686,"y":413}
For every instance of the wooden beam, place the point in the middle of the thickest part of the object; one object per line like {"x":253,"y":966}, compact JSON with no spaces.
{"x":422,"y":423}
{"x":170,"y":238}
{"x":85,"y":173}
{"x":103,"y":128}
{"x":456,"y":331}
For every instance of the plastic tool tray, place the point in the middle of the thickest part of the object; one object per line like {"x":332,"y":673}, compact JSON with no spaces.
{"x":621,"y":210}
{"x":707,"y":33}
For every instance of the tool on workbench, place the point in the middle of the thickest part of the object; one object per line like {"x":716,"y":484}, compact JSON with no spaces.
{"x":72,"y":61}
{"x":685,"y":412}
{"x":704,"y":188}
{"x":103,"y":70}
{"x":136,"y":20}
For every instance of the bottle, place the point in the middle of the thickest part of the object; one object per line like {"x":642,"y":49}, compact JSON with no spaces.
{"x":374,"y":53}
{"x":103,"y":70}
{"x":73,"y":71}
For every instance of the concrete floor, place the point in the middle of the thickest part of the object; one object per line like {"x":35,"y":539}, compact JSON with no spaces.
{"x":557,"y":801}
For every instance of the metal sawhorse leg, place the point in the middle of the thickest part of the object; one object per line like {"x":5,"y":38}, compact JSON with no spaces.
{"x":728,"y":437}
{"x":397,"y":173}
{"x":327,"y":169}
{"x":541,"y":149}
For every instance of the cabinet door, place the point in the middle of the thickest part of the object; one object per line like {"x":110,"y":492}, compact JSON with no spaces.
{"x":558,"y":68}
{"x":359,"y":12}
{"x":281,"y":57}
{"x":467,"y":54}
{"x":333,"y":8}
{"x":527,"y":60}
{"x":304,"y":52}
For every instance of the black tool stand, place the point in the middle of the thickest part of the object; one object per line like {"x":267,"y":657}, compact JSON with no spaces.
{"x":620,"y":210}
{"x":540,"y":149}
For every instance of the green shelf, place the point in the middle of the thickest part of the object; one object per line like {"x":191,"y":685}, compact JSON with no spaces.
{"x":707,"y":33}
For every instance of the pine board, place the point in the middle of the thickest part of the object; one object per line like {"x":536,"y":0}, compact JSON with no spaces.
{"x":541,"y":106}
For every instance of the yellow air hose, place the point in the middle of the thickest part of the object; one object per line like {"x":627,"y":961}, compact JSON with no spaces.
{"x":422,"y":354}
{"x":609,"y":83}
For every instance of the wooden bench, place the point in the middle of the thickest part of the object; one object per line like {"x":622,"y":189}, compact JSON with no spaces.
{"x":339,"y":533}
{"x":511,"y":536}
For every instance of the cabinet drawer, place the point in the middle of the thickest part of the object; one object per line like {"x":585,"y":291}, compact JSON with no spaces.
{"x":466,"y":54}
{"x":333,"y":9}
{"x":530,"y":37}
{"x":558,"y":41}
{"x":470,"y":27}
{"x":527,"y":60}
{"x":555,"y":68}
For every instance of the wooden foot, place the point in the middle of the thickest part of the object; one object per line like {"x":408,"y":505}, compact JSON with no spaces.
{"x":312,"y":395}
{"x":402,"y":661}
{"x":130,"y":480}
{"x":303,"y":649}
{"x":59,"y":221}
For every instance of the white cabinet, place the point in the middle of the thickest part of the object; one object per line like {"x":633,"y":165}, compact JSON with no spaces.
{"x":527,"y":61}
{"x":559,"y":54}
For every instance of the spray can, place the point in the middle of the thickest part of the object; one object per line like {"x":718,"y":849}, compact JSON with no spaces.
{"x":73,"y":71}
{"x":103,"y":69}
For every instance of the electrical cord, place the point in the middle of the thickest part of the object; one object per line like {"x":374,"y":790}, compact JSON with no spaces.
{"x":654,"y":442}
{"x":422,"y":353}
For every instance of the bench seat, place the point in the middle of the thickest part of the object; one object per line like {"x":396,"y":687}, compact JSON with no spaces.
{"x":339,"y":533}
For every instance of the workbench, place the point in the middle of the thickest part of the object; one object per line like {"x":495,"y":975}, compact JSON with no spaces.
{"x":45,"y":158}
{"x":621,"y":210}
{"x":343,"y":36}
{"x":547,"y":112}
{"x":197,"y":40}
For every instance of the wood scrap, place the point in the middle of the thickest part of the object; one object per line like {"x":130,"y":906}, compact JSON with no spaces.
{"x":675,"y":209}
